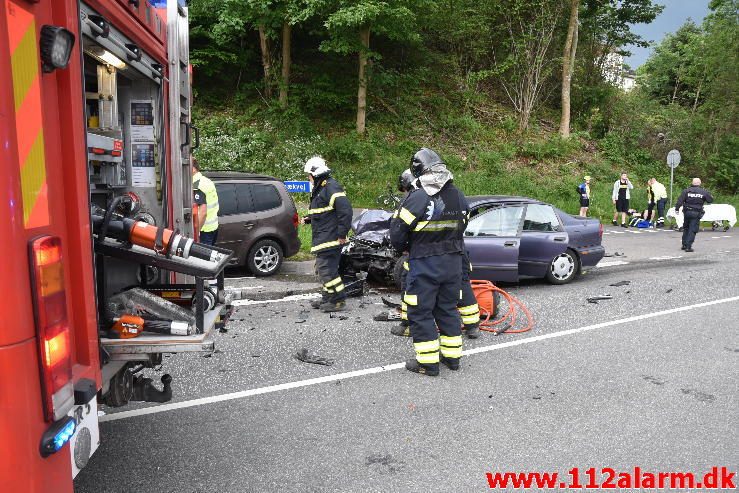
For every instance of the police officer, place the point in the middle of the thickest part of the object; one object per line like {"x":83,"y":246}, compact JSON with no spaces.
{"x":330,"y":215}
{"x":205,"y":197}
{"x":467,"y":307}
{"x":430,"y":226}
{"x":691,"y":200}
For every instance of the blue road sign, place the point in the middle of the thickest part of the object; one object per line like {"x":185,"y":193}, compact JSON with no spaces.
{"x":297,"y":186}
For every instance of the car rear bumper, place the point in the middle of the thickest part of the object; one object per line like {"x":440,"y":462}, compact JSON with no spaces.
{"x":292,"y":245}
{"x":590,"y":256}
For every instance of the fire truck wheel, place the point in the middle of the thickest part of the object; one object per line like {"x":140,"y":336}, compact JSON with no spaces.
{"x":121,"y":388}
{"x":264,"y":258}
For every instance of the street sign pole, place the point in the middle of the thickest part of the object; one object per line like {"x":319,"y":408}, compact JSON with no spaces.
{"x":673,"y":159}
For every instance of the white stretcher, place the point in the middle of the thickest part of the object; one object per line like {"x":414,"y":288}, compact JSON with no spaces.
{"x":714,"y":213}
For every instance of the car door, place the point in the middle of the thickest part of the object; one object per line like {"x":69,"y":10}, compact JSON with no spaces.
{"x":543,"y":237}
{"x":492,"y":242}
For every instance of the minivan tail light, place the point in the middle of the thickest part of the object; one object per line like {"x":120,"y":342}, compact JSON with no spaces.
{"x":52,"y":328}
{"x":296,"y":219}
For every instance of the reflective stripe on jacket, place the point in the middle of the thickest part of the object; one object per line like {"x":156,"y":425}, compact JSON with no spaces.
{"x":330,"y":215}
{"x":206,"y":186}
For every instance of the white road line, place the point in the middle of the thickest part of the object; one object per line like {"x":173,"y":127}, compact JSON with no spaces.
{"x":395,"y":366}
{"x":295,"y":297}
{"x":715,"y":237}
{"x":610,"y":263}
{"x":726,"y":237}
{"x":666,"y":257}
{"x":618,"y":232}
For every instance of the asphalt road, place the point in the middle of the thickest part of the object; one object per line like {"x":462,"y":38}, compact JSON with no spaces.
{"x":646,"y":379}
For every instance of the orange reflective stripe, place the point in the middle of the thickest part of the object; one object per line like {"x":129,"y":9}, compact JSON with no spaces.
{"x":25,"y":65}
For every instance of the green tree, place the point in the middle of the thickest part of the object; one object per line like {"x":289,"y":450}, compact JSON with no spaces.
{"x":351,"y":22}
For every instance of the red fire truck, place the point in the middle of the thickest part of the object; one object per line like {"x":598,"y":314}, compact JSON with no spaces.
{"x":95,"y":201}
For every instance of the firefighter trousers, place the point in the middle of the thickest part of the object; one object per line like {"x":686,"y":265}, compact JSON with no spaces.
{"x":327,"y":266}
{"x":468,"y":309}
{"x":432,"y":293}
{"x":467,"y":306}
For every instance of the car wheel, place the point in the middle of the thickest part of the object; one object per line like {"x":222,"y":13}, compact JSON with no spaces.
{"x":563,"y":268}
{"x":398,"y":270}
{"x":264,"y":258}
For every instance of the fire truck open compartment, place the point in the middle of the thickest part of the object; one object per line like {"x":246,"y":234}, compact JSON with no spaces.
{"x":127,"y":137}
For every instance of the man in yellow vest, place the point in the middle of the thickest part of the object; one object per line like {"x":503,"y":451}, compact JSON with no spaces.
{"x":205,"y":198}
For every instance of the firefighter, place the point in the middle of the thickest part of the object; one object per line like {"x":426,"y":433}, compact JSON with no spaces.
{"x":468,"y":308}
{"x":691,"y":200}
{"x":430,"y":226}
{"x":330,"y":215}
{"x":406,"y":185}
{"x":206,"y":198}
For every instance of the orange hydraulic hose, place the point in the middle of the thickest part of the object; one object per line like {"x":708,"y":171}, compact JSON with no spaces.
{"x":485,"y":300}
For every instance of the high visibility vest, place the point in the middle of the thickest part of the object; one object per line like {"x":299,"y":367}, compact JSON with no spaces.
{"x":206,"y":186}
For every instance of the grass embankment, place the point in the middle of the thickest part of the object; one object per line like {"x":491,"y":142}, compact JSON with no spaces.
{"x":481,"y":147}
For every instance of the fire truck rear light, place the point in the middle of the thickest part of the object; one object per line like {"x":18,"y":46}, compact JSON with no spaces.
{"x":52,"y":330}
{"x":115,"y":153}
{"x":97,"y":150}
{"x":57,"y":436}
{"x":56,"y":349}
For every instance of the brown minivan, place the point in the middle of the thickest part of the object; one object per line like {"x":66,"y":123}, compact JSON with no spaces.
{"x":257,"y":220}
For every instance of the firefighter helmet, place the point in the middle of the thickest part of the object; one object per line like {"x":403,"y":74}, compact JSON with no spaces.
{"x":316,"y":166}
{"x":424,"y":160}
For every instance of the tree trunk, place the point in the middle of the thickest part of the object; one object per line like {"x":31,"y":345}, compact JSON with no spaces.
{"x":568,"y":66}
{"x":286,"y":62}
{"x":674,"y":93}
{"x":697,"y":95}
{"x":266,"y":61}
{"x":364,"y":35}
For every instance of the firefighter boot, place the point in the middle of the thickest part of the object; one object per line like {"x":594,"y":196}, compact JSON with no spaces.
{"x":431,"y":370}
{"x":402,"y":330}
{"x":317,"y":303}
{"x":472,"y":331}
{"x":451,"y":363}
{"x":333,"y":306}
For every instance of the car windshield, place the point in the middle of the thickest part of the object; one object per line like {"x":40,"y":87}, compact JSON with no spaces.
{"x":501,"y":221}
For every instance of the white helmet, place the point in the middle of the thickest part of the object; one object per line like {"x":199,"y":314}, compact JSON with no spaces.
{"x":316,"y":166}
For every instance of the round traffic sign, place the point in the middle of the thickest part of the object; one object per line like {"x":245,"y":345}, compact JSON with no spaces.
{"x":673,"y":158}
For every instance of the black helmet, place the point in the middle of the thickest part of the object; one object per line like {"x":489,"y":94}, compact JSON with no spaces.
{"x":423,"y":160}
{"x":405,"y":181}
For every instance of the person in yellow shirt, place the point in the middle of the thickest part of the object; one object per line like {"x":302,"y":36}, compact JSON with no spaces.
{"x":658,"y":195}
{"x":205,"y":198}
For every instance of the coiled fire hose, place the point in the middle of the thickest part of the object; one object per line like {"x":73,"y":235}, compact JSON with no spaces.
{"x":486,"y":302}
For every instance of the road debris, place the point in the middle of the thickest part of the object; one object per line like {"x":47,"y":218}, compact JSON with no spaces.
{"x":306,"y":356}
{"x":620,"y":283}
{"x":388,"y":316}
{"x":389,"y":303}
{"x":596,"y":299}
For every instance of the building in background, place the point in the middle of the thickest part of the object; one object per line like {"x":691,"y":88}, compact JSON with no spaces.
{"x":617,"y":73}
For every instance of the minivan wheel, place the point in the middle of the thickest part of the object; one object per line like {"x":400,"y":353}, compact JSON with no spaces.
{"x":265,"y":258}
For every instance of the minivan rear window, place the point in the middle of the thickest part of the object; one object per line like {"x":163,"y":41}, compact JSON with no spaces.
{"x":265,"y":197}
